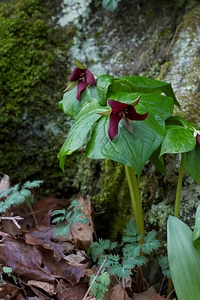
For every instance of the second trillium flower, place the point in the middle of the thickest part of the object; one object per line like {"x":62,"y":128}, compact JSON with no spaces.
{"x":122,"y":111}
{"x":82,"y":77}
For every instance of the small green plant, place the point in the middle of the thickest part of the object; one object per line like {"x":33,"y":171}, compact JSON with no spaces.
{"x":18,"y":195}
{"x":65,"y":218}
{"x":164,"y":264}
{"x":7,"y":271}
{"x":99,"y":284}
{"x":129,"y":119}
{"x":110,"y":4}
{"x":133,"y":256}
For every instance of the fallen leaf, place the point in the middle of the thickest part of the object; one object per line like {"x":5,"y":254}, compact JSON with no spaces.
{"x":31,"y":262}
{"x":44,"y":239}
{"x":7,"y":288}
{"x":75,"y":259}
{"x":4,"y":183}
{"x":118,"y":293}
{"x":46,"y":286}
{"x":67,"y":292}
{"x":150,"y":294}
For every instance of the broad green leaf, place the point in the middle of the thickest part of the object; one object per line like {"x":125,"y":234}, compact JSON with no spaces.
{"x":157,"y":160}
{"x":196,"y":234}
{"x":79,"y":131}
{"x":184,"y":260}
{"x":127,"y":149}
{"x":178,"y":139}
{"x":192,"y":164}
{"x":103,"y":84}
{"x":71,"y":106}
{"x":132,"y":150}
{"x":147,"y":85}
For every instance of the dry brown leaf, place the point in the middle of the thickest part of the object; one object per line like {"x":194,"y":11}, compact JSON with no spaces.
{"x":118,"y":293}
{"x":75,"y":259}
{"x":150,"y":294}
{"x":44,"y":239}
{"x":46,"y":286}
{"x":7,"y":289}
{"x":4,"y":183}
{"x":31,"y":262}
{"x":66,"y":291}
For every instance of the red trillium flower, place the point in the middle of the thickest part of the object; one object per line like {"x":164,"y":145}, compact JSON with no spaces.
{"x":197,"y":135}
{"x":82,"y":77}
{"x":122,"y":111}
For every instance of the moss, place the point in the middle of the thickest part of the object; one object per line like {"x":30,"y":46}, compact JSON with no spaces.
{"x":34,"y":52}
{"x":113,"y":200}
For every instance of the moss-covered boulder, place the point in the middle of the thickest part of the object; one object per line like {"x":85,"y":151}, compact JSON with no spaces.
{"x":34,"y":53}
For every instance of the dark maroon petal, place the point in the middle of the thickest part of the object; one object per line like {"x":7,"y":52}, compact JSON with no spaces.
{"x":117,"y":106}
{"x":89,"y":77}
{"x":133,"y":115}
{"x":81,"y":87}
{"x":198,"y":139}
{"x":75,"y":75}
{"x":113,"y":125}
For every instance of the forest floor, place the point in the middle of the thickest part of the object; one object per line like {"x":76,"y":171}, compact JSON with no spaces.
{"x":37,"y":264}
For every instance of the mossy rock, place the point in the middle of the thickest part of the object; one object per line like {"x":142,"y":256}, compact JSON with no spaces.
{"x":34,"y":52}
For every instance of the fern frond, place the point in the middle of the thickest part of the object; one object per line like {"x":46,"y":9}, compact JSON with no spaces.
{"x":74,"y":204}
{"x":119,"y":271}
{"x":78,"y":217}
{"x":100,"y":286}
{"x":132,"y":249}
{"x":110,"y":260}
{"x":33,"y":184}
{"x":164,"y":264}
{"x":62,"y":230}
{"x":58,"y":212}
{"x":150,"y":243}
{"x":130,"y":262}
{"x":110,"y":4}
{"x":98,"y":248}
{"x":131,"y":233}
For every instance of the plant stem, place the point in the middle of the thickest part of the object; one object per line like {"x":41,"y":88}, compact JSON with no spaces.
{"x":136,"y":200}
{"x":179,"y":185}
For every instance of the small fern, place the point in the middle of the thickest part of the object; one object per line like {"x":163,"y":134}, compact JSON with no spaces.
{"x":99,"y":285}
{"x":164,"y":264}
{"x":99,"y":248}
{"x":131,"y":252}
{"x":65,"y":218}
{"x":17,"y":195}
{"x":110,"y":4}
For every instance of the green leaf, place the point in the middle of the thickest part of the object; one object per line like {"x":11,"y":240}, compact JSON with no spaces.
{"x":157,"y":160}
{"x":192,"y":165}
{"x":110,"y":4}
{"x":147,"y":85}
{"x":79,"y":131}
{"x":196,"y":234}
{"x":184,"y":260}
{"x":178,"y":139}
{"x":164,"y":264}
{"x":103,"y":84}
{"x":71,"y":106}
{"x":127,"y":149}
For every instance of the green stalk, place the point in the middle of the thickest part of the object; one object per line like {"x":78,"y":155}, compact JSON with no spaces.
{"x":179,"y":185}
{"x":136,"y":200}
{"x":176,"y":209}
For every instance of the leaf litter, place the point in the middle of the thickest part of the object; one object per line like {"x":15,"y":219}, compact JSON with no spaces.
{"x":48,"y":267}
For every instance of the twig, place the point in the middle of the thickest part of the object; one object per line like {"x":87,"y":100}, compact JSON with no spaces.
{"x":101,"y":267}
{"x":13,"y":219}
